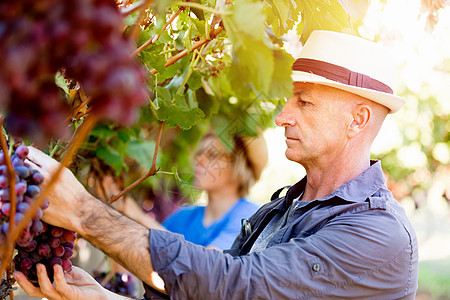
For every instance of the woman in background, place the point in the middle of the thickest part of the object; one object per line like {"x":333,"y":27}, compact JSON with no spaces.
{"x":226,"y":177}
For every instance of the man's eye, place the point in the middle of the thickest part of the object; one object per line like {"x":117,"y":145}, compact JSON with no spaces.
{"x":302,"y":102}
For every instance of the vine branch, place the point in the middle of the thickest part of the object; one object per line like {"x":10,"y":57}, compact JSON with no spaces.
{"x":156,"y":37}
{"x":183,"y":53}
{"x":151,"y":172}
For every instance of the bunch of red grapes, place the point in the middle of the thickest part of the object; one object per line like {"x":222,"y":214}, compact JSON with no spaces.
{"x":120,"y":283}
{"x":81,"y":38}
{"x":39,"y":242}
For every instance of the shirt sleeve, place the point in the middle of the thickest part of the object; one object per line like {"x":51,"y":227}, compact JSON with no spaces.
{"x":350,"y":257}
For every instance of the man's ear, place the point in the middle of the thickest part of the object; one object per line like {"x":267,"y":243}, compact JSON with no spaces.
{"x":361,"y":116}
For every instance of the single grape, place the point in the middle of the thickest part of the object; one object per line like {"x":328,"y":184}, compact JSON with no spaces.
{"x":33,"y":190}
{"x":54,"y":242}
{"x":57,"y":231}
{"x":44,"y":249}
{"x":55,"y":261}
{"x":69,"y":236}
{"x":58,"y":251}
{"x":67,"y":265}
{"x":22,"y":151}
{"x":26,"y":264}
{"x":23,"y":171}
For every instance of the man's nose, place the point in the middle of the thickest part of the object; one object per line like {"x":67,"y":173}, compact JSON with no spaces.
{"x":285,"y":117}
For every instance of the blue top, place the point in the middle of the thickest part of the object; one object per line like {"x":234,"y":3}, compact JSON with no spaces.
{"x":188,"y":221}
{"x":355,"y":243}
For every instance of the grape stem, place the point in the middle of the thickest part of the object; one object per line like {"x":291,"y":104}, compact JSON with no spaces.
{"x":183,"y":53}
{"x":12,"y":201}
{"x":151,"y":172}
{"x":79,"y":108}
{"x":10,"y":278}
{"x":77,"y":139}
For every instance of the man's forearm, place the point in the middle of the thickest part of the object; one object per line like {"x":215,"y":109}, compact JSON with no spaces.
{"x":118,"y":236}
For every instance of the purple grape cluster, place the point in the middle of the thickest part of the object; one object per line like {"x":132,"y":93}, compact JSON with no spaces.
{"x":83,"y":39}
{"x":27,"y":189}
{"x":120,"y":283}
{"x":54,"y":245}
{"x":39,"y":242}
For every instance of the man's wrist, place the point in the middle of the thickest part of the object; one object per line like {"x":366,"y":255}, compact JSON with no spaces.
{"x":89,"y":205}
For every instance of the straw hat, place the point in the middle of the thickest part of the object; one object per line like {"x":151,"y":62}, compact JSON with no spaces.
{"x":348,"y":63}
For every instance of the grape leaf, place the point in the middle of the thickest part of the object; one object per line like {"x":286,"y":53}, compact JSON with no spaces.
{"x":111,"y":157}
{"x":252,"y":62}
{"x":102,"y":131}
{"x":281,"y":15}
{"x":281,"y":85}
{"x":195,"y":81}
{"x":60,"y":81}
{"x":176,"y":114}
{"x":251,"y":68}
{"x":321,"y":14}
{"x":142,"y":152}
{"x":163,"y":93}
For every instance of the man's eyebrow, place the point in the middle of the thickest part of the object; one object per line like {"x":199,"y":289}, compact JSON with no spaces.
{"x":301,"y":93}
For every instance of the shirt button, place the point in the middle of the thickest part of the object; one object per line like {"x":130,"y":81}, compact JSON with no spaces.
{"x":316,"y":267}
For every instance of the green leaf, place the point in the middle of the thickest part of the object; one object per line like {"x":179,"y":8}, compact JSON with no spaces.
{"x":111,"y":157}
{"x":199,"y":26}
{"x":281,"y":15}
{"x":208,"y":3}
{"x":187,"y":36}
{"x":163,"y":93}
{"x":131,"y":19}
{"x":165,"y":37}
{"x":175,"y":114}
{"x":321,"y":14}
{"x":281,"y":85}
{"x":195,"y":81}
{"x":142,"y":152}
{"x":247,"y":21}
{"x":61,"y":82}
{"x":251,"y":68}
{"x":124,"y":135}
{"x":103,"y":131}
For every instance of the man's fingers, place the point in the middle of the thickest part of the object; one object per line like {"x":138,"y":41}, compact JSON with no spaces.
{"x":27,"y":286}
{"x":40,"y":158}
{"x":44,"y":283}
{"x":60,"y":281}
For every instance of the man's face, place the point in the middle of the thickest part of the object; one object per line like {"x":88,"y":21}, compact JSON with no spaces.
{"x":315,"y":119}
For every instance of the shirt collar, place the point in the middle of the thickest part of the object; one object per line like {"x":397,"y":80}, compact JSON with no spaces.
{"x":356,"y":190}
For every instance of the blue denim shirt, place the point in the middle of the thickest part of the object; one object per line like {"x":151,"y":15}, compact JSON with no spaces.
{"x":355,"y":243}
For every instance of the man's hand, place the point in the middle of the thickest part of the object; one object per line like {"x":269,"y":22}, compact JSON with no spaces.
{"x":77,"y":284}
{"x":66,"y":195}
{"x":72,"y":207}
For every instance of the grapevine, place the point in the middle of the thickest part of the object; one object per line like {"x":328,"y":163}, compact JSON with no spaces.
{"x":81,"y":39}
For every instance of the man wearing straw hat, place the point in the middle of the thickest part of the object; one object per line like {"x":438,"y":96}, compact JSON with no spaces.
{"x":336,"y":234}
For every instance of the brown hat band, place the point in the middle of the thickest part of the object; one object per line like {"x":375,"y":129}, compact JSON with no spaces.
{"x":339,"y":74}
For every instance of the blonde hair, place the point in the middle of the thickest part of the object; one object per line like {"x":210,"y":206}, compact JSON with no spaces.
{"x":241,"y":168}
